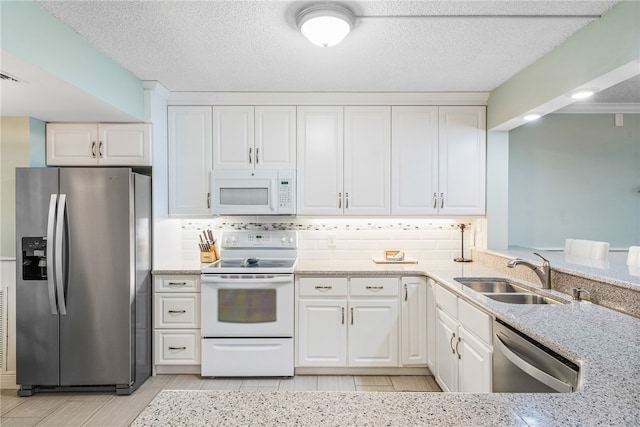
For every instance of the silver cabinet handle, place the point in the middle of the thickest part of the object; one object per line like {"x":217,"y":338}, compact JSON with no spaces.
{"x":339,"y":200}
{"x":346,"y":201}
{"x":323,"y":288}
{"x":51,"y":223}
{"x":352,"y":315}
{"x":435,"y":200}
{"x":208,"y":200}
{"x":406,"y":292}
{"x":453,"y":335}
{"x":93,"y":149}
{"x":441,"y":200}
{"x":257,"y":155}
{"x":177,"y":311}
{"x":177,"y":348}
{"x":177,"y":283}
{"x":100,"y":149}
{"x":250,"y":155}
{"x":458,"y":343}
{"x":374,"y":288}
{"x":342,"y":312}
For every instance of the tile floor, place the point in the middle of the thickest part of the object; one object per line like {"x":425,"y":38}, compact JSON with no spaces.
{"x":107,"y":409}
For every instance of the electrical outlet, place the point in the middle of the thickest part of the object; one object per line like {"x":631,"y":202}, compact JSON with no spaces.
{"x":331,"y":241}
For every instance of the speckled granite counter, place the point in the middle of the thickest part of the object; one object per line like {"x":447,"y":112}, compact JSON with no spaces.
{"x":605,"y":343}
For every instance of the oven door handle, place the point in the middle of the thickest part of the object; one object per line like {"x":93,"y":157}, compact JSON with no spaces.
{"x":247,"y":280}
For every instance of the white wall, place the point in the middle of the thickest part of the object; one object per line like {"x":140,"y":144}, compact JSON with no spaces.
{"x":575,"y":176}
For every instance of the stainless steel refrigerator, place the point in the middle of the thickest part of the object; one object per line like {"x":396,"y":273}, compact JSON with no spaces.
{"x":83,"y":289}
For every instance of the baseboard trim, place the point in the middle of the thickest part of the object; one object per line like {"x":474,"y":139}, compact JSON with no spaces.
{"x":361,"y":371}
{"x":8,"y":381}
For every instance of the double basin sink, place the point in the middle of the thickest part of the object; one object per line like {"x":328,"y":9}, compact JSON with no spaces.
{"x":504,"y":290}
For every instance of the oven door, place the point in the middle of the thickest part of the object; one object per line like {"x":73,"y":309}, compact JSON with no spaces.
{"x":247,"y":305}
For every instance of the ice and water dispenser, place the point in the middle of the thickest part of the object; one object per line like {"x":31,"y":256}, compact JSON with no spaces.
{"x":34,"y":258}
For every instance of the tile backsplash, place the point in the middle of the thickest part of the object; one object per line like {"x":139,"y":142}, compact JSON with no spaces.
{"x":347,"y":238}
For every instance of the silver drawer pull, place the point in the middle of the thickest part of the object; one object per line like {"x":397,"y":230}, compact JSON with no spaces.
{"x":323,"y":288}
{"x":177,"y":283}
{"x":177,"y":348}
{"x":375,"y":288}
{"x":177,"y":311}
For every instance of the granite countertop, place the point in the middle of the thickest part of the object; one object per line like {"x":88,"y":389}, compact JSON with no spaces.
{"x":605,"y":343}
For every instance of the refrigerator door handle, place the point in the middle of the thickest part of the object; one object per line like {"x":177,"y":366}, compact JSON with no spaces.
{"x":62,"y":209}
{"x":51,"y":222}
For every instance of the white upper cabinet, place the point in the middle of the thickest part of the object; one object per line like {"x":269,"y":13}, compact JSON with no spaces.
{"x":93,"y":144}
{"x":439,"y":158}
{"x":254,"y":137}
{"x":319,"y":166}
{"x":344,"y":160}
{"x":190,"y":160}
{"x":367,"y":160}
{"x":462,"y":160}
{"x":414,"y":160}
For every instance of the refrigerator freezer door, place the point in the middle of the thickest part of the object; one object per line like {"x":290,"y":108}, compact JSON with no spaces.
{"x":36,"y":327}
{"x":96,"y":334}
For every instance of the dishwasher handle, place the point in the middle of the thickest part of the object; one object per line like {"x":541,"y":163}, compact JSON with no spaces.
{"x":543,"y":377}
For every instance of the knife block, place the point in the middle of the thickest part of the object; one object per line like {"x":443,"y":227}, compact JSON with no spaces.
{"x":210,"y":256}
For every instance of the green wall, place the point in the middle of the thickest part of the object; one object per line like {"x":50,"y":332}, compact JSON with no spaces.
{"x":575,"y":176}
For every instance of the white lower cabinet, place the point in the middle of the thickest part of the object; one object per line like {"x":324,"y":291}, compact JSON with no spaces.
{"x":413,"y":322}
{"x":176,"y":324}
{"x":347,"y":322}
{"x":431,"y":325}
{"x":463,"y":345}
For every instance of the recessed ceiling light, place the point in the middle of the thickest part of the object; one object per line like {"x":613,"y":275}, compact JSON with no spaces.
{"x":532,"y":116}
{"x":325,"y":25}
{"x":582,"y":93}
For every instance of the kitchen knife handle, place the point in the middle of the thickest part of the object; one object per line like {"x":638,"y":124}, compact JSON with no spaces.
{"x":60,"y":217}
{"x":93,"y":149}
{"x":435,"y":200}
{"x":249,"y":155}
{"x":51,"y":223}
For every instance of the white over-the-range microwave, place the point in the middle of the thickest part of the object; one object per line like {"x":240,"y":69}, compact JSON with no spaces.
{"x":253,"y":192}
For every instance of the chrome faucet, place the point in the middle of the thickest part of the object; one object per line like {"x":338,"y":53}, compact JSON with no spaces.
{"x":543,"y":273}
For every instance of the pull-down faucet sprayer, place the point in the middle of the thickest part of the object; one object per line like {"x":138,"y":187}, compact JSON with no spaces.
{"x":543,"y":273}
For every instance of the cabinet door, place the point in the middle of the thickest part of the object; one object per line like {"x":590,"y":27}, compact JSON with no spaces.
{"x":367,"y":160}
{"x":275,"y":139}
{"x":414,"y":321}
{"x":233,"y":138}
{"x":127,"y":144}
{"x":462,"y":160}
{"x":373,"y":332}
{"x":431,"y":325}
{"x":319,"y":160}
{"x":190,"y":161}
{"x":474,"y":368}
{"x":446,"y":357}
{"x":321,"y":335}
{"x":72,"y":144}
{"x":414,"y":160}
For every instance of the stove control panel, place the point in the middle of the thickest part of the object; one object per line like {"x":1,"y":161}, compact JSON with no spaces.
{"x":260,"y":239}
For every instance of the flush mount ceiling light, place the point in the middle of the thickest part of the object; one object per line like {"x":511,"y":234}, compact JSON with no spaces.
{"x":582,"y":93}
{"x":325,"y":25}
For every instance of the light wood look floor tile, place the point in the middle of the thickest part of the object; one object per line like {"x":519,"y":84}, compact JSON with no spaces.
{"x":19,"y":422}
{"x":372,"y":380}
{"x":183,"y":382}
{"x":9,"y":400}
{"x":122,"y":410}
{"x":258,"y":388}
{"x":299,"y":383}
{"x":221,"y":384}
{"x":434,"y":385}
{"x":336,"y":383}
{"x":39,"y":405}
{"x":261,"y":382}
{"x":72,"y":413}
{"x":410,"y":383}
{"x":375,"y":388}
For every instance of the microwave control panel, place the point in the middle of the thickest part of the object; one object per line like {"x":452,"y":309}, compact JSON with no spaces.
{"x":286,"y":192}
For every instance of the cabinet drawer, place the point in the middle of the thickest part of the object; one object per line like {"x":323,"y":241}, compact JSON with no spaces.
{"x":475,"y":320}
{"x":179,"y":347}
{"x":322,"y":286}
{"x":374,"y":286}
{"x":447,"y":300}
{"x":171,"y":283}
{"x":177,"y":310}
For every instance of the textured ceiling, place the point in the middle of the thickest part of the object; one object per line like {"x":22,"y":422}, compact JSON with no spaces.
{"x":395,"y":46}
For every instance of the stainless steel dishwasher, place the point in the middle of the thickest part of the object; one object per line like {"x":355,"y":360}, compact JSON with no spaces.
{"x":523,"y":365}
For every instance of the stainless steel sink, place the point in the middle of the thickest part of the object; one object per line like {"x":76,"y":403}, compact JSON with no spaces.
{"x":489,"y":285}
{"x":522,"y":299}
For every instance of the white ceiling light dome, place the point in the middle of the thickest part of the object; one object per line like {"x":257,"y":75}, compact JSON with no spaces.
{"x":325,"y":25}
